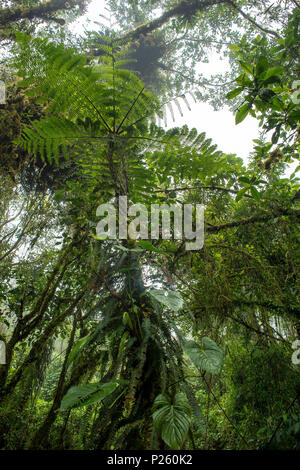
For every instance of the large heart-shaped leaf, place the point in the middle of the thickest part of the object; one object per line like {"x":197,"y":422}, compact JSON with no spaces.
{"x":209,"y":357}
{"x":169,"y":298}
{"x":172,"y":419}
{"x":83,"y":395}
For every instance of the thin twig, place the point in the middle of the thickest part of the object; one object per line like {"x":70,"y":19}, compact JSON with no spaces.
{"x":251,"y":20}
{"x":223,"y":411}
{"x":130,"y":109}
{"x":90,"y":101}
{"x":281,"y":419}
{"x":217,"y":188}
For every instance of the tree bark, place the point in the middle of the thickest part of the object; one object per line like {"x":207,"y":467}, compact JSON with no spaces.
{"x":41,"y":11}
{"x":43,"y":430}
{"x":184,"y":8}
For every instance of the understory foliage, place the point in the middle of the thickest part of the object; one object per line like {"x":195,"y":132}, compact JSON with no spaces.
{"x":124,"y":344}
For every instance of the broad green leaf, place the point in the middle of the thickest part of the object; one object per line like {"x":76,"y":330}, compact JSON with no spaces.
{"x":83,"y":395}
{"x":234,"y":93}
{"x":123,"y":342}
{"x":244,"y":179}
{"x":261,"y":65}
{"x":149,"y":247}
{"x":273,"y":71}
{"x":255,"y":193}
{"x":127,"y":320}
{"x":260,"y":181}
{"x":246,"y":67}
{"x":294,"y":116}
{"x":169,"y":298}
{"x":234,"y":47}
{"x":276,"y":135}
{"x":76,"y":348}
{"x":270,"y":80}
{"x":244,"y":81}
{"x":97,"y":238}
{"x":209,"y":357}
{"x":241,"y":113}
{"x":241,"y":193}
{"x":172,"y":419}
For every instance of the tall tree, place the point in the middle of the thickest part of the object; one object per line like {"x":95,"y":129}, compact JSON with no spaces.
{"x":144,"y":325}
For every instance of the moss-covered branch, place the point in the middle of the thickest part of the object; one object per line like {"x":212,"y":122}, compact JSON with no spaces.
{"x":252,"y":220}
{"x":40,"y":11}
{"x":185,"y":8}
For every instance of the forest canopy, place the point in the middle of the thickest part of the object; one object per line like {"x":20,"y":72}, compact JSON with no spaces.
{"x":144,"y":343}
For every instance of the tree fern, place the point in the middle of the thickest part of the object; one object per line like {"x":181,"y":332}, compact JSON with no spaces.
{"x":102,"y":111}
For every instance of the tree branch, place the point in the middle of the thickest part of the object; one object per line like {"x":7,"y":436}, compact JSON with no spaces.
{"x":210,"y":188}
{"x":296,"y":3}
{"x":252,"y":21}
{"x":42,"y":11}
{"x":254,"y":219}
{"x":182,"y":9}
{"x":36,"y":347}
{"x":282,"y":419}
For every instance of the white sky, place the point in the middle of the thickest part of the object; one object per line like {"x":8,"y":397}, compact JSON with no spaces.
{"x":218,"y":125}
{"x":221,"y":128}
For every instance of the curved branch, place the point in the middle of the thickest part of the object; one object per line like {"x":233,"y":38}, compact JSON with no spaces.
{"x":254,"y":219}
{"x":41,"y":11}
{"x":192,"y":7}
{"x":210,"y":188}
{"x":252,"y":21}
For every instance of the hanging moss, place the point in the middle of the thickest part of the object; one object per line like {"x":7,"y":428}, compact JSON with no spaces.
{"x":33,"y":174}
{"x":17,"y":111}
